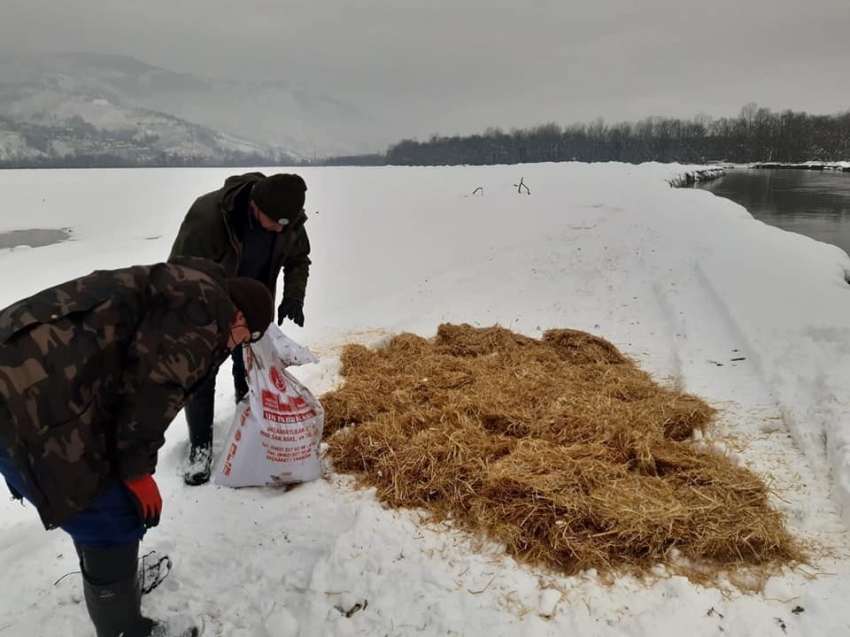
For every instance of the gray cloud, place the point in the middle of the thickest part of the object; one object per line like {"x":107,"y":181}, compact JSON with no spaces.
{"x":461,"y":65}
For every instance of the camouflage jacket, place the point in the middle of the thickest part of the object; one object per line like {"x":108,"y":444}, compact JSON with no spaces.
{"x":94,"y":370}
{"x":207,"y":232}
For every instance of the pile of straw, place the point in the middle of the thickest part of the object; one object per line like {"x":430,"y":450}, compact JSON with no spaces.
{"x":560,"y":448}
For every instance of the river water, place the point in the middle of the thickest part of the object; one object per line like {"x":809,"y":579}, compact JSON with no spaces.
{"x":812,"y":203}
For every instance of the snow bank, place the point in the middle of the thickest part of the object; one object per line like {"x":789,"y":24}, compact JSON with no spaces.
{"x":808,"y":165}
{"x":788,"y":300}
{"x":689,"y":177}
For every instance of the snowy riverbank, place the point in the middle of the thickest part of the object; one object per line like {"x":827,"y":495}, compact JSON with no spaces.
{"x":754,"y":319}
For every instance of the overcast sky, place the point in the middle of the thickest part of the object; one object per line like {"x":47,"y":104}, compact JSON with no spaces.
{"x":461,"y":65}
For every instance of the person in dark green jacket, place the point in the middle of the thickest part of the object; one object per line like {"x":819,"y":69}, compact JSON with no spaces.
{"x":254,"y":227}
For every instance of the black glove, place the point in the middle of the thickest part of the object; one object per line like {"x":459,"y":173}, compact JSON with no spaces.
{"x":292,"y":309}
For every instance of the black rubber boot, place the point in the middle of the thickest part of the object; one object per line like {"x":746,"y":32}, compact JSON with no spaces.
{"x":199,"y":412}
{"x":112,"y":592}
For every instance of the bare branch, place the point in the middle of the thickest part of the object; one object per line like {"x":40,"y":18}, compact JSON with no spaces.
{"x":522,"y":185}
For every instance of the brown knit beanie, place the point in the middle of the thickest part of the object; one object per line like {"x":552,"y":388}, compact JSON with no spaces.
{"x":280,"y":196}
{"x":254,"y":300}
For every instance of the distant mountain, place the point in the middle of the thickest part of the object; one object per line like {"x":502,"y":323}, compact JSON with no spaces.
{"x":47,"y":127}
{"x":83,"y":104}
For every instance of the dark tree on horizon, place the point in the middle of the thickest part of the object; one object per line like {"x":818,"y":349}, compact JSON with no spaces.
{"x":756,"y":135}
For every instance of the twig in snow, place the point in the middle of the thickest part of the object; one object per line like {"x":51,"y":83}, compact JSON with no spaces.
{"x":483,"y":589}
{"x":64,"y":576}
{"x":782,"y":601}
{"x":358,"y":606}
{"x":522,"y":185}
{"x":271,"y":610}
{"x":813,"y":575}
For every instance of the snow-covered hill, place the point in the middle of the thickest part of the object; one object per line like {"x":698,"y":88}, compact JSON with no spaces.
{"x":127,"y":103}
{"x":47,"y":127}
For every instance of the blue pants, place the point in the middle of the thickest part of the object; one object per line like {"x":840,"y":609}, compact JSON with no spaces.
{"x":112,"y":520}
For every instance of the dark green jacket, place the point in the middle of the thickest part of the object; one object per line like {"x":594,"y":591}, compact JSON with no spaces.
{"x":207,"y":231}
{"x":93,"y":371}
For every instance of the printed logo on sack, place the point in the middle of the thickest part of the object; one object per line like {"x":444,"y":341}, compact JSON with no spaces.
{"x":284,"y":404}
{"x":277,"y":379}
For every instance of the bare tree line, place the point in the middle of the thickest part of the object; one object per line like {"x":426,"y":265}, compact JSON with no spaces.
{"x":756,"y":135}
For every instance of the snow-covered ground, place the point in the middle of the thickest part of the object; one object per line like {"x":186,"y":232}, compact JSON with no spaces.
{"x":752,"y":318}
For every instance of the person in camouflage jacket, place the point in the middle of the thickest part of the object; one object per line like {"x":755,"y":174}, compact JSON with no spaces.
{"x":92,"y":372}
{"x":254,"y":227}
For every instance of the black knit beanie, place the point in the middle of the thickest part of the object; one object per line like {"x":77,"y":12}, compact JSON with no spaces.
{"x":280,"y":196}
{"x":254,"y":300}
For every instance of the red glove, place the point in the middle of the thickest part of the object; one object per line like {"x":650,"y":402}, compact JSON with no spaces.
{"x":148,"y":501}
